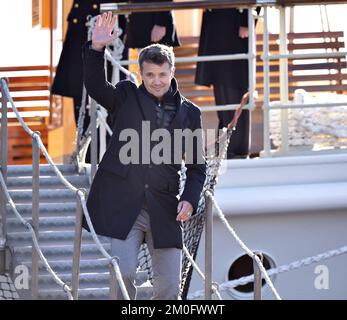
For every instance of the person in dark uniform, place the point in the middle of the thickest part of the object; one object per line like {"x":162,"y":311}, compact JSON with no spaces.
{"x":138,"y":201}
{"x":145,"y":28}
{"x":225,"y":31}
{"x":68,"y":80}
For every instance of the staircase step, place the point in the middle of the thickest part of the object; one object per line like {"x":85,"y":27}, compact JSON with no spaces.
{"x":144,"y":292}
{"x":83,"y":294}
{"x":47,"y":182}
{"x":54,"y":195}
{"x":86,"y":280}
{"x":88,"y":251}
{"x":46,"y":209}
{"x":46,"y":223}
{"x":48,"y":238}
{"x":45,"y":169}
{"x":57,"y":223}
{"x":64,"y":266}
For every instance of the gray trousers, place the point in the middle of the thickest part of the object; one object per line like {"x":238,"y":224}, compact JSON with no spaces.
{"x":166,"y":263}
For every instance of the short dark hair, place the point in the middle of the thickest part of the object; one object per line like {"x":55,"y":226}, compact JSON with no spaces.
{"x":158,"y":54}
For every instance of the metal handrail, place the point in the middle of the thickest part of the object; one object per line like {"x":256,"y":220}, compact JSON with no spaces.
{"x":208,"y":246}
{"x":36,"y":245}
{"x":284,"y":104}
{"x":125,"y":8}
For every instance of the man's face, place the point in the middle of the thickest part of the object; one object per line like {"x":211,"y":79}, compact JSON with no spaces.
{"x":157,"y":78}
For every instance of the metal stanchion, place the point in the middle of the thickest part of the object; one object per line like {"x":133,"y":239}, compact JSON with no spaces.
{"x":284,"y":148}
{"x":94,"y":142}
{"x":77,"y":246}
{"x":35,"y":212}
{"x":266,"y":110}
{"x":208,"y":246}
{"x":113,"y":281}
{"x":257,"y":277}
{"x":4,"y":137}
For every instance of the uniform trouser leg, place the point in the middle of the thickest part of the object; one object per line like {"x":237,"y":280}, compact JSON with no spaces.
{"x":239,"y":143}
{"x":166,"y":263}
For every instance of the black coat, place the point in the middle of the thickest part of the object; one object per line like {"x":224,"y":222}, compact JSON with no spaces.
{"x":119,"y":191}
{"x":139,"y":27}
{"x":220,"y":35}
{"x":68,"y":79}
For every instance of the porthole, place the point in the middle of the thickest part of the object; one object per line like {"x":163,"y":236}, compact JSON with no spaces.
{"x":241,"y":267}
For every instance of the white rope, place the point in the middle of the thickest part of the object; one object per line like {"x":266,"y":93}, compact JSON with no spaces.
{"x":243,"y":246}
{"x":53,"y":165}
{"x":121,"y":68}
{"x":81,"y":117}
{"x":27,"y":224}
{"x":101,"y":248}
{"x":214,"y":287}
{"x":9,"y":98}
{"x":274,"y":271}
{"x":104,"y":123}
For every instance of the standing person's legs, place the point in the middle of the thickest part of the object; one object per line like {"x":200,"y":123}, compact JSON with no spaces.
{"x":127,"y":251}
{"x":239,"y":143}
{"x":166,"y":264}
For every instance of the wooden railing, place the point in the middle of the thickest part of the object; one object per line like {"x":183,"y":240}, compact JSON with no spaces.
{"x":29,"y":87}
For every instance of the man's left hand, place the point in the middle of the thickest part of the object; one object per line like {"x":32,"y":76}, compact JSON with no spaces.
{"x":184,"y":210}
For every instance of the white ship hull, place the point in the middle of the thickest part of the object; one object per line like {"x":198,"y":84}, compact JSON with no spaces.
{"x":288,"y":208}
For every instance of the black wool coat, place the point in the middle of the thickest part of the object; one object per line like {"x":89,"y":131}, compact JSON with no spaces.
{"x":220,"y":35}
{"x":139,"y":26}
{"x":119,"y":191}
{"x":68,"y":79}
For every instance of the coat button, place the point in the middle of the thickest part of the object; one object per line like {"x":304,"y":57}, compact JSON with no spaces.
{"x":76,"y":5}
{"x":95,"y":6}
{"x":150,"y":166}
{"x":146,"y":186}
{"x":75,"y":20}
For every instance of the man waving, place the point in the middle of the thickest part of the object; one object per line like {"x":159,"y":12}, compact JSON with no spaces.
{"x":138,"y":200}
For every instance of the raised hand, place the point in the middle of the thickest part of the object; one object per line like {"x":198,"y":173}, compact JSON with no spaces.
{"x":103,"y":33}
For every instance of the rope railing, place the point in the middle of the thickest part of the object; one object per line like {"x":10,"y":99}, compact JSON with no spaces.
{"x":113,"y":61}
{"x":214,"y":286}
{"x":35,"y":136}
{"x":27,"y":224}
{"x":112,"y":260}
{"x":274,"y":271}
{"x":104,"y":123}
{"x":243,"y":245}
{"x":81,"y":195}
